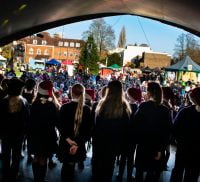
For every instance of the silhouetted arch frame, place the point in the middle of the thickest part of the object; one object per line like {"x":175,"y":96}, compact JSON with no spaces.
{"x":153,"y":9}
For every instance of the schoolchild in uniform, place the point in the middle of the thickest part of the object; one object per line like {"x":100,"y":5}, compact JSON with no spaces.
{"x":75,"y":127}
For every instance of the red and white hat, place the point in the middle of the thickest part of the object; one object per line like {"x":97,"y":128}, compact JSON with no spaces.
{"x":135,"y":93}
{"x":45,"y":88}
{"x":195,"y":95}
{"x":90,"y":93}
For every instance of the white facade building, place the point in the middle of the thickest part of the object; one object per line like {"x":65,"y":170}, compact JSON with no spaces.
{"x":131,"y":51}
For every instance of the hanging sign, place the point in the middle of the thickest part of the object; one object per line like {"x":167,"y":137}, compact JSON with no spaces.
{"x":189,"y":67}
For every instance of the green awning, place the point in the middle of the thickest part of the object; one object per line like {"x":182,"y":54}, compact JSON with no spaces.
{"x":115,"y":66}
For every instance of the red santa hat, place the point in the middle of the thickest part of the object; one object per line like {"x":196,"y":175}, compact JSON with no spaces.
{"x":195,"y":95}
{"x":135,"y":93}
{"x":91,"y":93}
{"x":45,"y":88}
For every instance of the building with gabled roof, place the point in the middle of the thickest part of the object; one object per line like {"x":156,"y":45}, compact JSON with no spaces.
{"x":46,"y":46}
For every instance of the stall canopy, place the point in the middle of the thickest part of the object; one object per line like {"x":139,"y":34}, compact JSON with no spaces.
{"x":146,"y":70}
{"x":67,"y":62}
{"x":26,"y":17}
{"x":187,"y":64}
{"x":115,"y":66}
{"x":53,"y":62}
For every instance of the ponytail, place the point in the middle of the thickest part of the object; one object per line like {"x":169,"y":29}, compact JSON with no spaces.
{"x":78,"y":114}
{"x":78,"y":92}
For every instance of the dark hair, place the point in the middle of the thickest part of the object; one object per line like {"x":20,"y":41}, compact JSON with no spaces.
{"x":30,"y":84}
{"x":15,"y":86}
{"x":195,"y":96}
{"x":4,"y":83}
{"x":155,"y":91}
{"x":168,"y":95}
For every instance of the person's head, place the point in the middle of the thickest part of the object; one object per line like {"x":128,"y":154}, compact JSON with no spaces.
{"x":195,"y":96}
{"x":45,"y":89}
{"x":112,"y":105}
{"x":90,"y":94}
{"x":168,"y":95}
{"x":115,"y":90}
{"x":14,"y":91}
{"x":15,"y":87}
{"x":134,"y":94}
{"x":78,"y":93}
{"x":154,"y":92}
{"x":4,"y":84}
{"x":30,"y":84}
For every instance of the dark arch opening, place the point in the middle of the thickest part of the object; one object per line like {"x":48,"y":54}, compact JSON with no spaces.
{"x":42,"y":27}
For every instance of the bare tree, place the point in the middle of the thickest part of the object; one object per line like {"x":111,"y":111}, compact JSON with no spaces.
{"x":103,"y":34}
{"x":187,"y":45}
{"x":122,"y":38}
{"x":180,"y":47}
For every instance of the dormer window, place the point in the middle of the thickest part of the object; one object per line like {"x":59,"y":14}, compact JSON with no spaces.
{"x":44,"y":42}
{"x":35,"y":41}
{"x":60,"y":43}
{"x":78,"y":44}
{"x":71,"y":44}
{"x":66,"y":44}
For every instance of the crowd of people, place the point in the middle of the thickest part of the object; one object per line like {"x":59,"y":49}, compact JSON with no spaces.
{"x":126,"y":120}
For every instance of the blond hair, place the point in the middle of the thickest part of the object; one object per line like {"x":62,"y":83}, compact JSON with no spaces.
{"x":112,"y":105}
{"x":78,"y":92}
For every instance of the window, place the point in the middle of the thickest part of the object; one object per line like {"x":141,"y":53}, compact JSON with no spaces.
{"x":66,"y":44}
{"x":31,"y":51}
{"x":76,"y":55}
{"x":78,"y":44}
{"x":46,"y":52}
{"x":71,"y":44}
{"x":65,"y":53}
{"x":34,"y":41}
{"x":39,"y":52}
{"x":71,"y":54}
{"x":44,"y":42}
{"x":60,"y":43}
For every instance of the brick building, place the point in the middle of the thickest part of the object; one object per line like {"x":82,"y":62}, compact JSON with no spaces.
{"x":155,"y":60}
{"x":46,"y":47}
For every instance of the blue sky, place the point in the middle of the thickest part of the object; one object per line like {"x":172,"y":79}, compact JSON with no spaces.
{"x":161,"y":37}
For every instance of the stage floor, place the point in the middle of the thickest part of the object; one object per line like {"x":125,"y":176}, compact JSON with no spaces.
{"x":53,"y":175}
